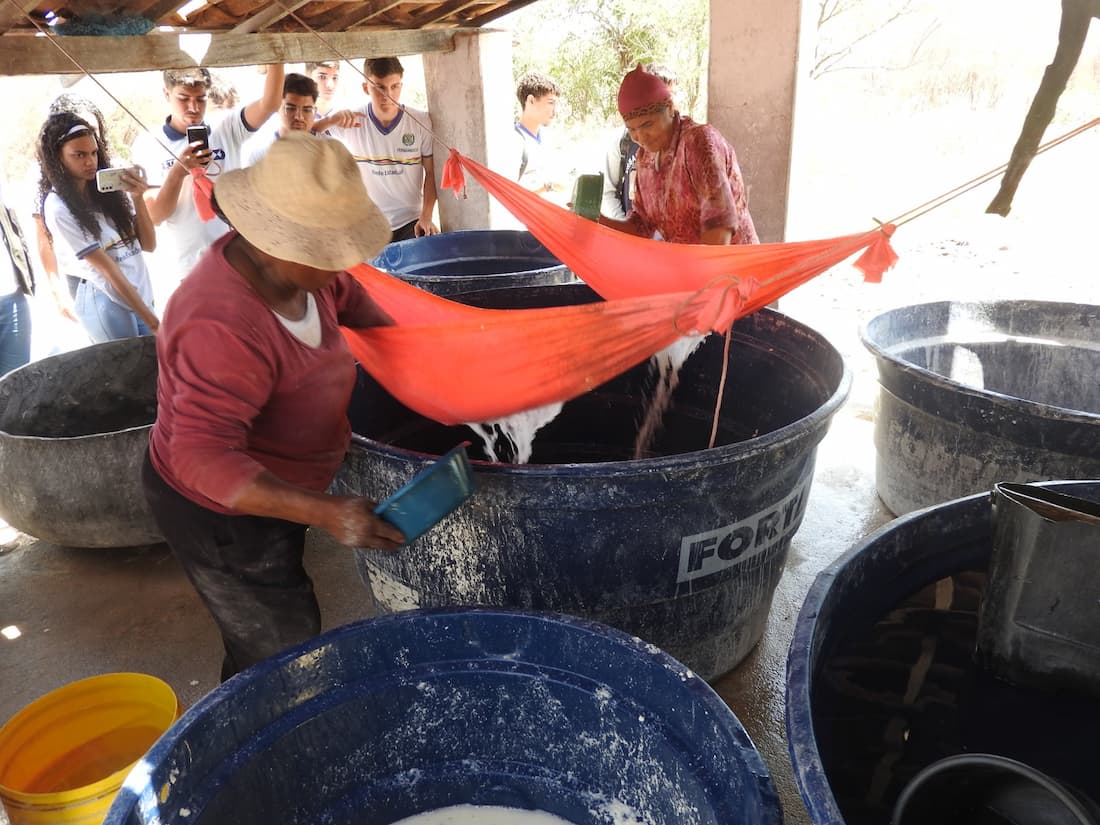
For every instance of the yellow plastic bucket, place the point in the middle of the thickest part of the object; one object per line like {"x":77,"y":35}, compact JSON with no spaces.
{"x":64,"y":756}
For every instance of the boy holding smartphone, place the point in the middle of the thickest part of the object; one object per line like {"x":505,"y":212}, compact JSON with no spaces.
{"x":182,"y":235}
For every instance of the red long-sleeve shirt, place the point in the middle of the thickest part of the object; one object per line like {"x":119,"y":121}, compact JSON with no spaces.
{"x":237,"y":393}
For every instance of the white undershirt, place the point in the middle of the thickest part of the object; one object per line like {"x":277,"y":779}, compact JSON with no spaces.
{"x":308,"y":329}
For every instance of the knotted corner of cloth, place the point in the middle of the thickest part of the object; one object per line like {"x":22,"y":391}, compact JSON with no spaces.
{"x":202,"y":189}
{"x":878,"y":257}
{"x":453,"y":176}
{"x":721,"y":303}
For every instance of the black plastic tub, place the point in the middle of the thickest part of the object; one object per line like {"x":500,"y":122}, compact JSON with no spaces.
{"x":881,"y":677}
{"x":73,"y":433}
{"x":976,"y":393}
{"x":682,"y":548}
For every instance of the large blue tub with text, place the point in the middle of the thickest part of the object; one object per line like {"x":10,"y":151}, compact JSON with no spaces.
{"x":680,"y":544}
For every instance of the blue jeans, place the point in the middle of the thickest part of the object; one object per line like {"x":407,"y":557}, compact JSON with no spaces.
{"x":15,"y":331}
{"x":104,"y":319}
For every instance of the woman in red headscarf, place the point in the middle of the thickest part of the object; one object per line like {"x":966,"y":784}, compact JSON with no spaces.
{"x":688,"y":184}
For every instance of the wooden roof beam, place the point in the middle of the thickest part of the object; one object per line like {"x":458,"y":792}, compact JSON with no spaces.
{"x":158,"y":51}
{"x":444,"y":11}
{"x":10,"y":15}
{"x":160,"y":9}
{"x":499,"y":11}
{"x":361,"y":13}
{"x":268,"y":16}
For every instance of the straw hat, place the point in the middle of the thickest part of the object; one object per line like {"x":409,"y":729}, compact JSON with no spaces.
{"x":639,"y":91}
{"x":305,"y":202}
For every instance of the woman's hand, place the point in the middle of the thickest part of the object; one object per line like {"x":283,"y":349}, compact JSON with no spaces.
{"x":351,"y":521}
{"x":342,"y":119}
{"x":62,"y":300}
{"x":424,"y":227}
{"x":134,"y":182}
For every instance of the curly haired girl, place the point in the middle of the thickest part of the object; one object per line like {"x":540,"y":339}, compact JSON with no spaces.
{"x":99,"y":235}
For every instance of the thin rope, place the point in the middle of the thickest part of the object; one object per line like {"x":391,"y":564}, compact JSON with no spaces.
{"x":721,"y":389}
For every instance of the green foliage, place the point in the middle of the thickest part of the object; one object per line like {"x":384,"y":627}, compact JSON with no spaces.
{"x":588,"y":45}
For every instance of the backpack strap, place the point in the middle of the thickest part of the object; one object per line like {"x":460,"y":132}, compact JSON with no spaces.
{"x":624,"y":153}
{"x":17,"y":250}
{"x":523,"y":159}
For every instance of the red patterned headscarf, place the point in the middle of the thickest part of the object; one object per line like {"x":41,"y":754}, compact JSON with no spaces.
{"x":641,"y":93}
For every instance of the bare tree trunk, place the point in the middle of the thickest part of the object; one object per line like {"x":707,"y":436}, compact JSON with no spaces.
{"x":1076,"y":16}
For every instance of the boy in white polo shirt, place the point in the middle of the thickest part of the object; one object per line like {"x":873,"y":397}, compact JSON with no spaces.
{"x":392,"y":145}
{"x":182,"y":235}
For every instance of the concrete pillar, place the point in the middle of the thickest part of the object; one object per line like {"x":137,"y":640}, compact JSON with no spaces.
{"x":470,"y":93}
{"x":754,"y":47}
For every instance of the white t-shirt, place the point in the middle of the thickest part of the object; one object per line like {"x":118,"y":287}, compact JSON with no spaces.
{"x":183,"y":237}
{"x":390,"y":160}
{"x":257,"y":145}
{"x":72,"y":244}
{"x":529,"y":161}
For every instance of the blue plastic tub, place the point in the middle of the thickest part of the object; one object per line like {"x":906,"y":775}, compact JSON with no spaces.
{"x":890,"y":628}
{"x":472,"y":259}
{"x":393,"y":716}
{"x":683,"y":547}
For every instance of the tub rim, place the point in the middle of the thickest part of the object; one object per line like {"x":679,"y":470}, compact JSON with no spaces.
{"x":887,"y":361}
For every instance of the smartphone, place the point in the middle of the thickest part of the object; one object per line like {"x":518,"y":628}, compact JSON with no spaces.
{"x":199,"y":134}
{"x":110,"y":180}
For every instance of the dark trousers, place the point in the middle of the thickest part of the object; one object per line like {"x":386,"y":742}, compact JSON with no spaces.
{"x":404,"y":233}
{"x":247,"y":570}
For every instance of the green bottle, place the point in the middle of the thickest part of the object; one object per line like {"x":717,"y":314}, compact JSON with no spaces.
{"x":588,"y":196}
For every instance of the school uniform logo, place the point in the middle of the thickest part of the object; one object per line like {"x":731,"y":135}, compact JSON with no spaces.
{"x":408,"y":139}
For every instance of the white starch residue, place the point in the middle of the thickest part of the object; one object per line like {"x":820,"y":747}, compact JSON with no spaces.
{"x":514,"y":433}
{"x":667,"y":365}
{"x":511,"y":440}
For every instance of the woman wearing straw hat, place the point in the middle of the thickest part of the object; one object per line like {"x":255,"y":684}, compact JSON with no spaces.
{"x":688,"y":184}
{"x":254,"y":382}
